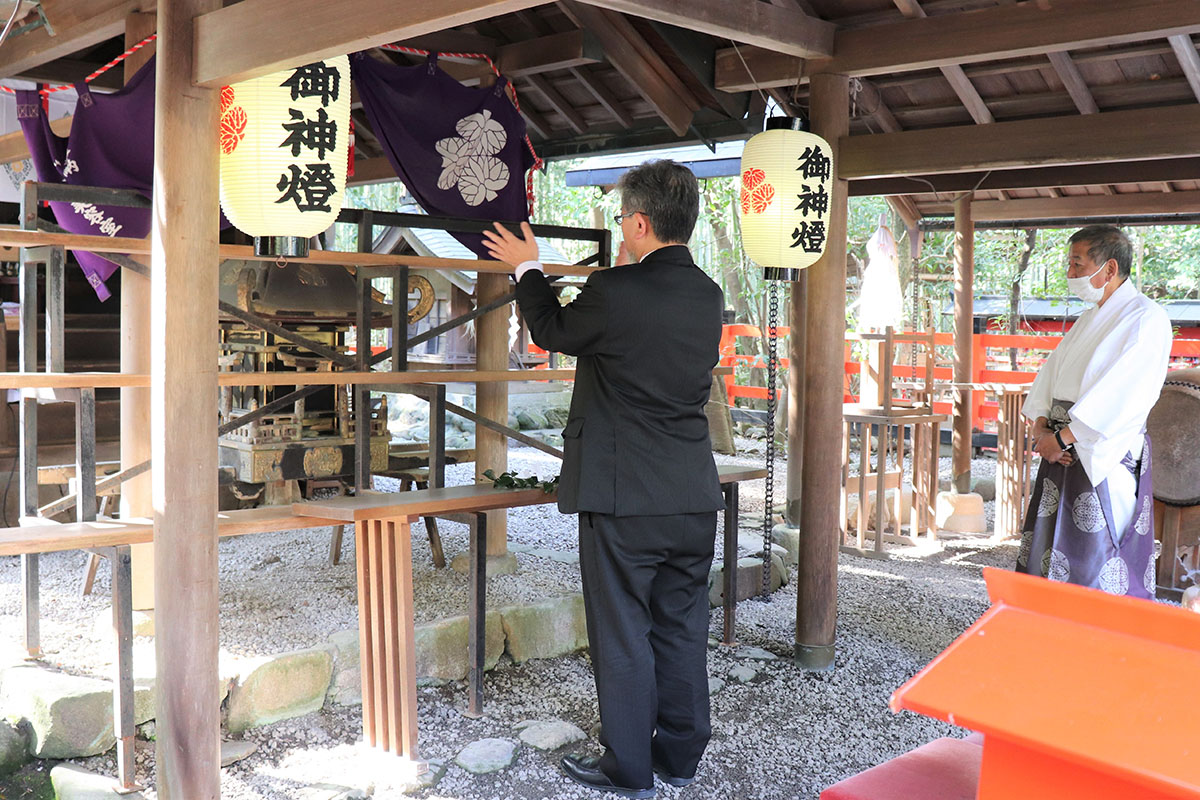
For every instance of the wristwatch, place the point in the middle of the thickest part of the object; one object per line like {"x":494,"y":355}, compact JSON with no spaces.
{"x":1058,"y":438}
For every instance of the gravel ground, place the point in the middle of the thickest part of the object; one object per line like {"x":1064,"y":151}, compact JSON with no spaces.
{"x":783,"y":734}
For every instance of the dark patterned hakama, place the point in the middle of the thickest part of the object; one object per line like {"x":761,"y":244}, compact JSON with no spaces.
{"x":1069,"y":533}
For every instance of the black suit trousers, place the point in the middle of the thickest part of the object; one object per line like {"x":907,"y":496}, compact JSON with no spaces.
{"x":645,"y":589}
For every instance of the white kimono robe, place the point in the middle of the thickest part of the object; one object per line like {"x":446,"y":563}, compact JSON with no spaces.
{"x":1111,"y":365}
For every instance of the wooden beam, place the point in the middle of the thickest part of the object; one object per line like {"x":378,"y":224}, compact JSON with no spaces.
{"x":987,"y":34}
{"x":1074,"y":206}
{"x":1169,"y":169}
{"x":70,"y":71}
{"x":84,"y":30}
{"x":14,"y":148}
{"x":256,"y":37}
{"x":907,"y":210}
{"x":1189,"y":61}
{"x":545,"y":54}
{"x":1076,"y":86}
{"x":452,"y":42}
{"x":183,"y":425}
{"x":372,"y":170}
{"x":953,"y":73}
{"x":558,"y":103}
{"x":750,"y":22}
{"x":1138,"y":134}
{"x":604,"y":95}
{"x":630,"y":54}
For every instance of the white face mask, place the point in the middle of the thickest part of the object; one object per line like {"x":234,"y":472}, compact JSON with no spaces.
{"x":1083,"y":288}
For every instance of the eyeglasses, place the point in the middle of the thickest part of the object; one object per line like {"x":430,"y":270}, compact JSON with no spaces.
{"x":618,"y":218}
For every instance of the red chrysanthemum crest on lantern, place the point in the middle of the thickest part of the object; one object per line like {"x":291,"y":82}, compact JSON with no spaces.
{"x":757,"y":194}
{"x":233,"y":121}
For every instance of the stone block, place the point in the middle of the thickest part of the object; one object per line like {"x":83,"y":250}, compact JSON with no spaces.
{"x":68,"y":716}
{"x":280,"y":687}
{"x":551,"y":735}
{"x":345,"y":685}
{"x":749,"y":579}
{"x":961,"y":513}
{"x":531,"y":420}
{"x":889,"y":513}
{"x":985,"y":488}
{"x":545,"y":630}
{"x":442,"y":646}
{"x":487,"y":755}
{"x":557,"y":416}
{"x":73,"y":782}
{"x":788,"y":538}
{"x":505,"y":564}
{"x":14,"y":747}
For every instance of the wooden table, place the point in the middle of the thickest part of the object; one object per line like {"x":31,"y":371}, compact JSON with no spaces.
{"x":926,"y":441}
{"x":383,"y":552}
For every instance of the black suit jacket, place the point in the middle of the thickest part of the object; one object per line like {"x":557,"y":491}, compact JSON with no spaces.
{"x":647,"y":337}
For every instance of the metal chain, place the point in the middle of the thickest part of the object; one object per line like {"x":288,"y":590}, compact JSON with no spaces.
{"x":769,"y":493}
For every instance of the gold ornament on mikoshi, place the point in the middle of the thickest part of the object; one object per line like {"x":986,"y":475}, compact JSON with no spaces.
{"x":284,"y":140}
{"x":787,"y":179}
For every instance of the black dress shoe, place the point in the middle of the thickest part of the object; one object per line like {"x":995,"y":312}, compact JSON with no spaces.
{"x":586,"y":770}
{"x":667,"y":777}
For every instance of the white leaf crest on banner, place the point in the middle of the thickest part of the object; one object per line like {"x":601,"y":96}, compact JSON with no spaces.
{"x":469,"y":162}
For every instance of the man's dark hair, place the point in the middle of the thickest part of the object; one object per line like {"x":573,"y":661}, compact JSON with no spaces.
{"x":1105,"y":242}
{"x":667,"y":193}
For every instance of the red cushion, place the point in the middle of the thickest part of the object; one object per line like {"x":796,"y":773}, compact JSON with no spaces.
{"x":944,"y":769}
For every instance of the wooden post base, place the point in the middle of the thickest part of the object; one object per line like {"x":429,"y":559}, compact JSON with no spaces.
{"x":385,"y":634}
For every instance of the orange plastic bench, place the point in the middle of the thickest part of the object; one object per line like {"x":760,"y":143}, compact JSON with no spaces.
{"x":1079,"y":694}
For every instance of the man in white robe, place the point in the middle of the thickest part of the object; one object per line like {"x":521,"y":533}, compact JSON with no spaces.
{"x":1090,"y":519}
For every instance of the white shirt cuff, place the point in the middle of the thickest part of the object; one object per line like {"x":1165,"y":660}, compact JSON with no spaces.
{"x":525,"y":266}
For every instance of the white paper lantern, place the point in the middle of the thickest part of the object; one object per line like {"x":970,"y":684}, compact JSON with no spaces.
{"x":284,"y":143}
{"x":787,"y":180}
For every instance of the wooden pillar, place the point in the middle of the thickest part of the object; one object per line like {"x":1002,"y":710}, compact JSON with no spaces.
{"x":491,"y":399}
{"x":183,"y":412}
{"x":795,"y":407}
{"x":136,"y":494}
{"x":816,"y":579}
{"x":964,"y":310}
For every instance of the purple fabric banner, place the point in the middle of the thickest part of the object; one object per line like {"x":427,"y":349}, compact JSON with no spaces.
{"x":459,"y":150}
{"x":111,"y":144}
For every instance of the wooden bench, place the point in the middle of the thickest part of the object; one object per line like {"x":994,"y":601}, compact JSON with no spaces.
{"x":112,"y":539}
{"x":385,"y":605}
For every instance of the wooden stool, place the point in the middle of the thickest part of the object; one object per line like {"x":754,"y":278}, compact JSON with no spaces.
{"x":417,"y":477}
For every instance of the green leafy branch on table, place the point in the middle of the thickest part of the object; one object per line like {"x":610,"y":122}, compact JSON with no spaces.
{"x":511,"y":480}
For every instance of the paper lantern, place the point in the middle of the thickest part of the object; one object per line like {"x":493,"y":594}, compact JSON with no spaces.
{"x":787,"y":179}
{"x":284,"y":143}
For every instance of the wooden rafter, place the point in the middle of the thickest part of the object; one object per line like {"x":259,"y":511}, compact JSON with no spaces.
{"x":751,"y":22}
{"x":629,"y":53}
{"x":953,"y":73}
{"x":1189,"y":60}
{"x":988,"y":34}
{"x":1153,"y":133}
{"x":548,"y":53}
{"x":1069,"y":74}
{"x":255,"y":37}
{"x":604,"y":95}
{"x":88,"y":24}
{"x":558,"y":103}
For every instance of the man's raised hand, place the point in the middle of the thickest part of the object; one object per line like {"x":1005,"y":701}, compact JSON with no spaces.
{"x":504,"y":246}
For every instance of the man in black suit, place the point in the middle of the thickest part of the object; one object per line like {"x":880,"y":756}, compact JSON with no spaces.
{"x":639,"y":471}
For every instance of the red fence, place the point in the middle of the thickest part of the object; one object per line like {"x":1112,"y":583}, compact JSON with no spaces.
{"x":1031,"y":352}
